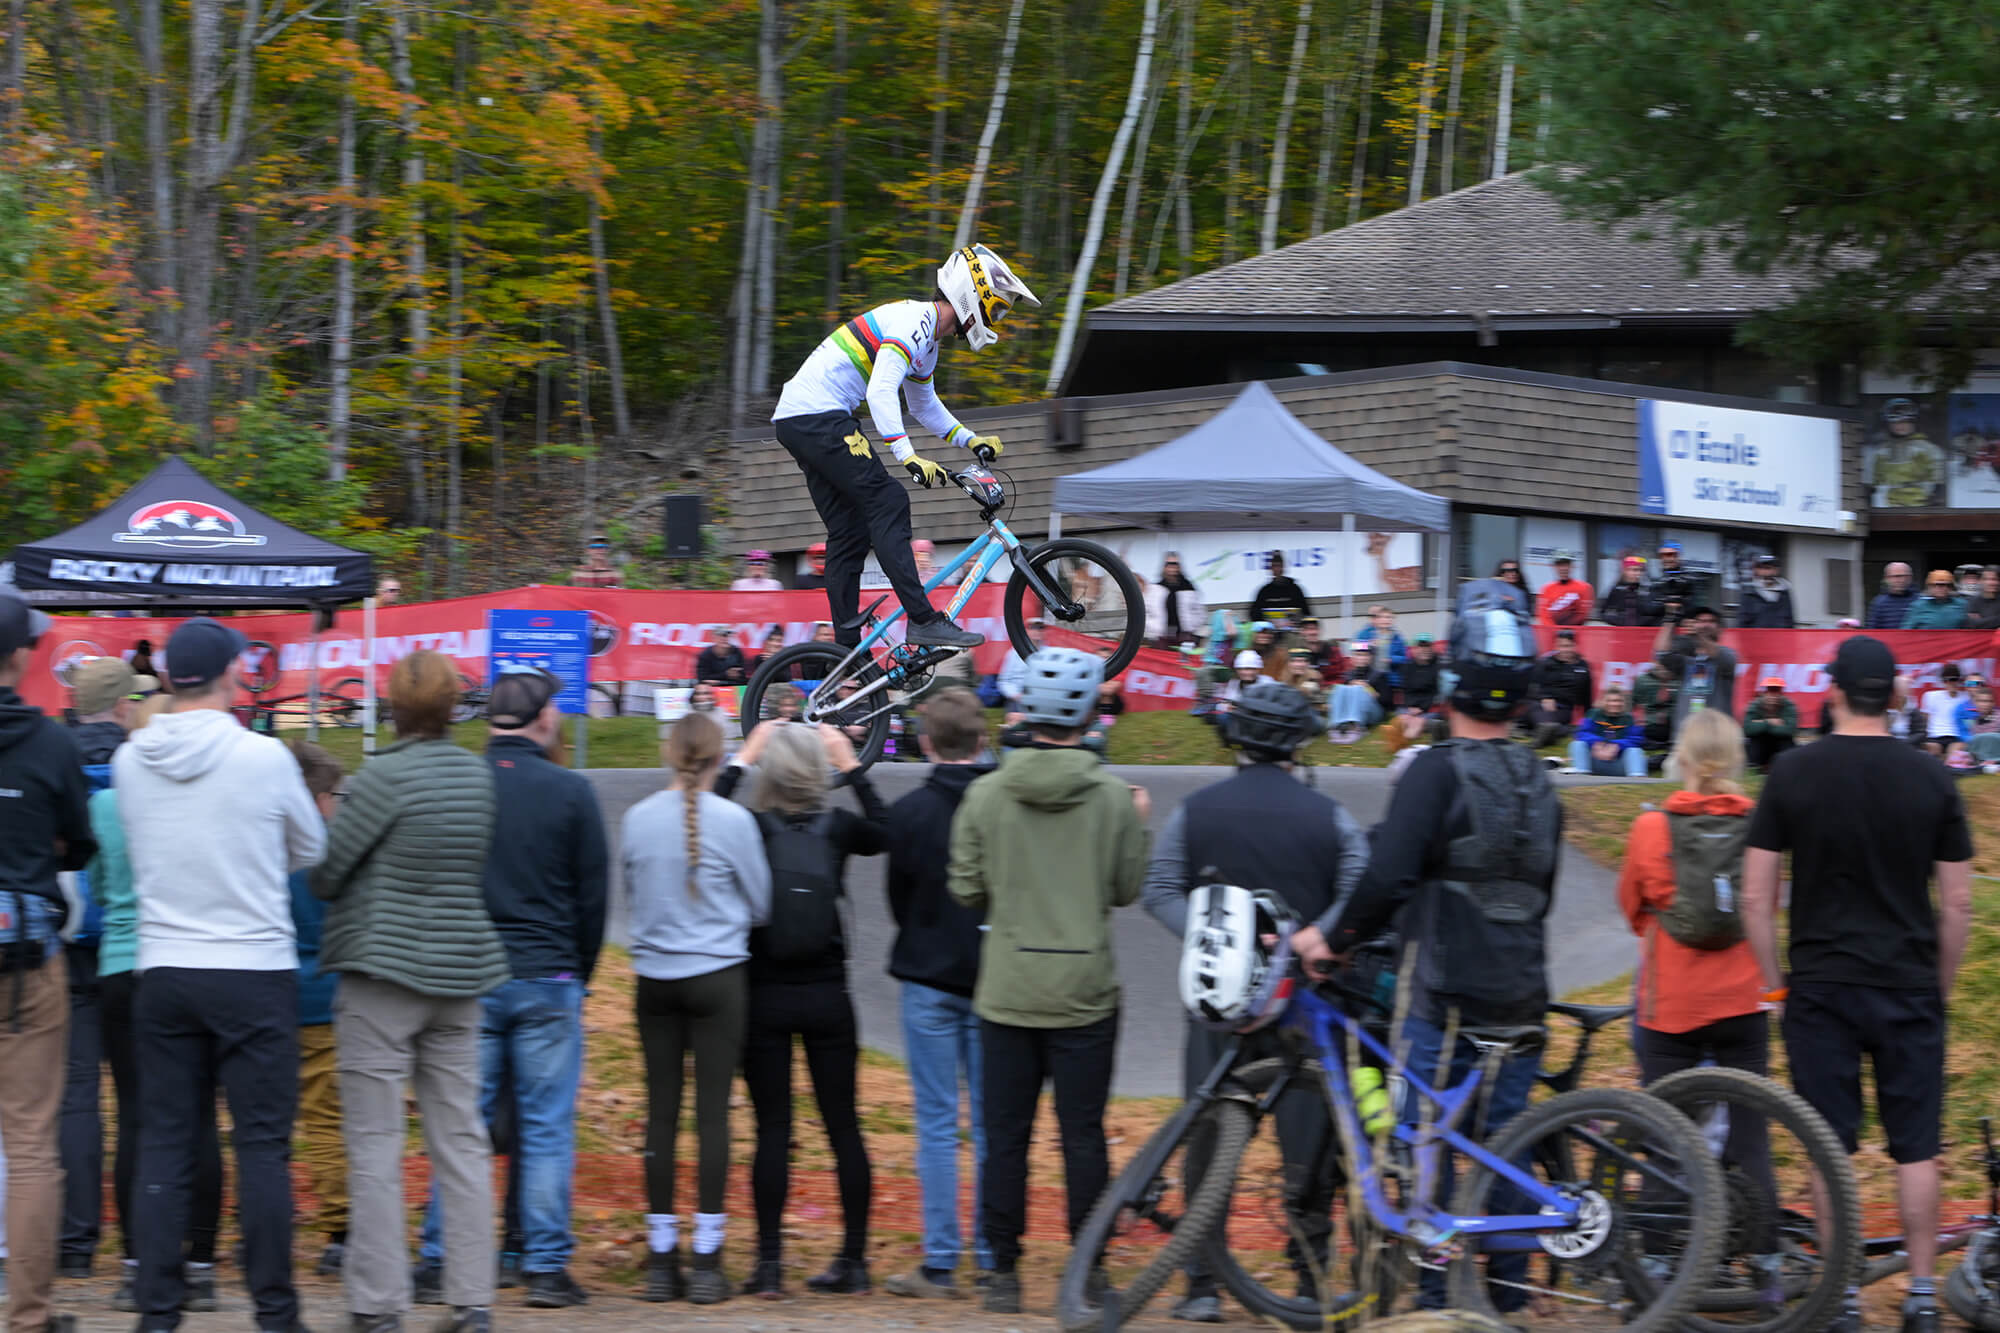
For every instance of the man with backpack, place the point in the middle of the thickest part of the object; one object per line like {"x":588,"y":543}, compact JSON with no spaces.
{"x":936,"y":958}
{"x":1263,"y":829}
{"x":1046,"y":848}
{"x":1465,"y":862}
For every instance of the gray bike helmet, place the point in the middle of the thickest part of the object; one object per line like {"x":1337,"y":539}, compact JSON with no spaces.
{"x":1061,"y":689}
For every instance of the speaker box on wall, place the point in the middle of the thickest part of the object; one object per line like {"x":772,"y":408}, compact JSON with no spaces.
{"x":683,"y":526}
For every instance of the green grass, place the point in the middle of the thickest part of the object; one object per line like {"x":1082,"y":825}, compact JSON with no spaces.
{"x":615,"y":742}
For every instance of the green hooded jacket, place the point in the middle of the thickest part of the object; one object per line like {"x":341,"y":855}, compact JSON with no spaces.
{"x":1046,"y":847}
{"x":1936,"y":613}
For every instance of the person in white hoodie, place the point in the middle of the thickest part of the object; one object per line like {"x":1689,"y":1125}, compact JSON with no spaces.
{"x":215,"y":818}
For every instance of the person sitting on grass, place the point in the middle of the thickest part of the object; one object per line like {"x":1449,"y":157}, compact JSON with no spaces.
{"x":1358,"y":702}
{"x":1770,"y":725}
{"x":1610,"y":743}
{"x":1248,"y":667}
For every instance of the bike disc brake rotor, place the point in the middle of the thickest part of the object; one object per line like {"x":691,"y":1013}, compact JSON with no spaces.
{"x":1588,"y":1243}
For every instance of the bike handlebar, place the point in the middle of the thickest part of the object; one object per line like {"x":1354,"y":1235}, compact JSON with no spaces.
{"x":983,"y":453}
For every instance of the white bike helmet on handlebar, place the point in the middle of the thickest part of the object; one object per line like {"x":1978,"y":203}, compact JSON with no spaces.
{"x":1231,"y":978}
{"x":982,"y":290}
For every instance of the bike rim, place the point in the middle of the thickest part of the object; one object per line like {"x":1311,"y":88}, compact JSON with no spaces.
{"x":1089,"y":610}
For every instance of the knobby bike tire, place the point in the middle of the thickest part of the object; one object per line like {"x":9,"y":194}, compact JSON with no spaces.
{"x":1707,"y":1213}
{"x":1815,"y":1302}
{"x":344,"y":699}
{"x":1128,"y":588}
{"x":817,"y":661}
{"x":1875,"y":1270}
{"x":1231,"y":1121}
{"x":1970,"y":1290}
{"x":1376,"y":1271}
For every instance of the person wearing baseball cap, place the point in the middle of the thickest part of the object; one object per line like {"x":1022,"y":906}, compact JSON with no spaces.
{"x":1770,"y":724}
{"x":216,"y":818}
{"x":1767,"y":599}
{"x":1628,"y":603}
{"x":44,"y":829}
{"x":1868,"y":824}
{"x":1563,"y":600}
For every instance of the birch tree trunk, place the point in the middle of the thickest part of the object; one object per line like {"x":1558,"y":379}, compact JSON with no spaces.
{"x":755,"y":220}
{"x":968,"y":212}
{"x":1079,"y":284}
{"x":1366,"y":98}
{"x":416,"y":265}
{"x":607,"y":313}
{"x":215,"y":137}
{"x":1503,"y":103}
{"x":340,"y":400}
{"x":1173,"y":204}
{"x":160,"y":177}
{"x":1329,"y":123}
{"x":1448,"y":153}
{"x":1274,"y":191}
{"x":940,"y":116}
{"x":1137,"y":175}
{"x":771,"y":93}
{"x":1420,"y":151}
{"x":836,"y":185}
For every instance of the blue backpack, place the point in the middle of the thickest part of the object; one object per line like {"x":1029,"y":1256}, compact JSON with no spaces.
{"x":85,"y":924}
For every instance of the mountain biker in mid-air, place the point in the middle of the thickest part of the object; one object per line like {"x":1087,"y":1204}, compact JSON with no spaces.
{"x":892,"y":347}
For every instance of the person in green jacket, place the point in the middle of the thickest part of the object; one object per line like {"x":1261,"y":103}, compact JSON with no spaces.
{"x":407,"y":930}
{"x":1046,"y":847}
{"x":1940,"y":607}
{"x":1770,"y":724}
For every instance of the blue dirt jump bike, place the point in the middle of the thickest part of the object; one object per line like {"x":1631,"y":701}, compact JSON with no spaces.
{"x":1292,"y":1132}
{"x":1083,"y":594}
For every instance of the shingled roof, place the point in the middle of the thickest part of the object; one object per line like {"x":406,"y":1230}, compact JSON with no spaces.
{"x":1501,"y":248}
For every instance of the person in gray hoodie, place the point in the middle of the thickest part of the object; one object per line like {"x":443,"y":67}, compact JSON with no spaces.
{"x":215,"y":818}
{"x":694,"y":866}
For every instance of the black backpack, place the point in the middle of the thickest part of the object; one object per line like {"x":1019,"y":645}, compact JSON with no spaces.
{"x":1708,"y":875}
{"x":805,"y":890}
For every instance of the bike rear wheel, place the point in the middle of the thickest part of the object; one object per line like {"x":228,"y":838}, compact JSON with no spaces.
{"x":801,"y":668}
{"x":341,"y":702}
{"x":1098,"y":604}
{"x":1651,"y":1223}
{"x":1152,"y":1197}
{"x":1781,"y":1270}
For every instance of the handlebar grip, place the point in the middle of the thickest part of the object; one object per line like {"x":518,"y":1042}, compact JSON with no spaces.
{"x":982,"y":453}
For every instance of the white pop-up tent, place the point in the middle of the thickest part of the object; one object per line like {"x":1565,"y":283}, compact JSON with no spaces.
{"x":1254,"y":465}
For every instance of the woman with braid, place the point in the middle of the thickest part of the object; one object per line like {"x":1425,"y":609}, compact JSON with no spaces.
{"x":694,"y":866}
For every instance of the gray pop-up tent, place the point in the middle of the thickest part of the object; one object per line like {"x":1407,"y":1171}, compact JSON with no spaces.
{"x":1253,"y":465}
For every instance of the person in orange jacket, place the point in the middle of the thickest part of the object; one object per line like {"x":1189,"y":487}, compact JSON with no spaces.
{"x":1563,"y":600}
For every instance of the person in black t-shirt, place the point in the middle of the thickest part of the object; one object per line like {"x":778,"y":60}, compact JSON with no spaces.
{"x":1869,"y":823}
{"x":1281,"y":601}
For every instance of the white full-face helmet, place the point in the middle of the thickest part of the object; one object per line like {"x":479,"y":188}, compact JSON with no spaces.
{"x":982,"y":290}
{"x":1231,"y":978}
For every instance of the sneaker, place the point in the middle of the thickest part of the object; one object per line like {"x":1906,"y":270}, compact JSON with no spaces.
{"x":843,"y":1277}
{"x":331,"y":1259}
{"x":1003,"y":1294}
{"x":465,"y":1319}
{"x":924,"y":1284}
{"x":374,"y":1323}
{"x":1920,"y":1316}
{"x":296,"y":1326}
{"x":200,"y":1288}
{"x":122,"y":1298}
{"x":554,"y":1291}
{"x":707,"y":1284}
{"x":943,"y":634}
{"x":767,"y":1279}
{"x":663,"y":1276}
{"x":1199,"y":1308}
{"x":74,"y":1267}
{"x":508,"y":1275}
{"x":427,"y":1281}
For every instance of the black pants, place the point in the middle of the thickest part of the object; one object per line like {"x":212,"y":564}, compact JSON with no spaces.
{"x":862,"y":506}
{"x":116,"y":994}
{"x":1078,"y":1061}
{"x":197,"y":1029}
{"x":821,"y":1014}
{"x":704,"y":1016}
{"x":1760,"y":750}
{"x":1742,"y":1042}
{"x":80,"y":1132}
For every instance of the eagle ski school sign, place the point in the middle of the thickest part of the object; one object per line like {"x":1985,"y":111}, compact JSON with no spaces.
{"x":1731,"y":465}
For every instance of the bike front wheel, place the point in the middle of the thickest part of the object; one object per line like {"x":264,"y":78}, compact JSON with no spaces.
{"x":1650,"y":1220}
{"x":1154,"y":1215}
{"x":786,"y":684}
{"x":341,"y":702}
{"x":1087,"y":598}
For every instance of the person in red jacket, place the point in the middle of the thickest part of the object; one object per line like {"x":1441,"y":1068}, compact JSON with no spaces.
{"x":1563,"y":600}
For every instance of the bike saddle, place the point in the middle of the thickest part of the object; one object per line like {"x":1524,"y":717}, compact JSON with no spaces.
{"x":1519,"y":1036}
{"x":867,"y":616}
{"x":1591,"y":1016}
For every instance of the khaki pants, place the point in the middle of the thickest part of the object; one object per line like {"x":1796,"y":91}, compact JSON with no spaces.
{"x":32,"y":1061}
{"x":320,"y":1146}
{"x":388,"y":1036}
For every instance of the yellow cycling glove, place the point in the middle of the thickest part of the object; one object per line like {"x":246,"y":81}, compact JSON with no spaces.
{"x":985,"y":442}
{"x":927,"y":473}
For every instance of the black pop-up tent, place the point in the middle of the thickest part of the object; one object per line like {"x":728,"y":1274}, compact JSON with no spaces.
{"x":177,"y":544}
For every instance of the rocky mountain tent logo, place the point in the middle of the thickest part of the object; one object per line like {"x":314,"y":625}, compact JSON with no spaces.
{"x":186,"y":525}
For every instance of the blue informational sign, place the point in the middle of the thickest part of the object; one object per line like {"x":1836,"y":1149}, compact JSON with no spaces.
{"x":557,"y":642}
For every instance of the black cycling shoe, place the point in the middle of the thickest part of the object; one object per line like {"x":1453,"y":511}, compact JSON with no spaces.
{"x":843,"y":1277}
{"x":942,"y":634}
{"x":767,"y":1279}
{"x":427,"y":1284}
{"x":663,"y":1277}
{"x":1003,"y":1294}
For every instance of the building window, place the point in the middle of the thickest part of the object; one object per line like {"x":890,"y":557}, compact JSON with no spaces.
{"x":1484,"y":540}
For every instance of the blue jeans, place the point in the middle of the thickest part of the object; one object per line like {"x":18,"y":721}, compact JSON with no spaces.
{"x":1355,"y":703}
{"x":941,"y":1040}
{"x":1506,"y":1097}
{"x":531,"y":1038}
{"x":1631,"y":761}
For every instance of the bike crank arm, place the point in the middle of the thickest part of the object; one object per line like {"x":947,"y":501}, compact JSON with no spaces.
{"x":817,"y":707}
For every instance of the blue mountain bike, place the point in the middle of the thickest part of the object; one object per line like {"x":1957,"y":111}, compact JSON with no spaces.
{"x":1616,"y":1191}
{"x":1076,"y":591}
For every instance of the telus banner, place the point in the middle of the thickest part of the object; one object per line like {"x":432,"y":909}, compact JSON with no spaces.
{"x":1728,"y":465}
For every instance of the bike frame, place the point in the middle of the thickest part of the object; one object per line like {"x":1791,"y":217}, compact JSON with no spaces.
{"x":1328,"y":1028}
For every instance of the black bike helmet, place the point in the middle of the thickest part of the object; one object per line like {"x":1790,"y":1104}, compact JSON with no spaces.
{"x":1269,"y":722}
{"x":1492,"y":650}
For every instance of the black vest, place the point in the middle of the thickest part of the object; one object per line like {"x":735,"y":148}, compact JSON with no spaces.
{"x":1264,"y":829}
